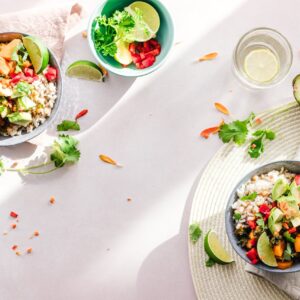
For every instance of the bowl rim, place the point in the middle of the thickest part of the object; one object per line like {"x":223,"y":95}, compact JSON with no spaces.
{"x":135,"y":72}
{"x":229,"y":225}
{"x":25,"y":137}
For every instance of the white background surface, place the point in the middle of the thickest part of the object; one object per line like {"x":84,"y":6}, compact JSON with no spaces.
{"x":93,"y":243}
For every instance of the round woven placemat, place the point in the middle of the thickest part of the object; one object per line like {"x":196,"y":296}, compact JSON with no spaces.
{"x":221,"y":175}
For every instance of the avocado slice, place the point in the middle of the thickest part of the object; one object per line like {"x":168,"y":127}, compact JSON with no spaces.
{"x":25,"y":103}
{"x":274,"y":219}
{"x":295,"y":221}
{"x":4,"y":111}
{"x":279,"y":188}
{"x":295,"y":190}
{"x":20,"y":118}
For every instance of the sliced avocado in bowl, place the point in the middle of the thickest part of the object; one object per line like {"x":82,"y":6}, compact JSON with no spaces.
{"x":20,"y":118}
{"x":4,"y":111}
{"x":295,"y":190}
{"x":274,"y":220}
{"x":25,"y":103}
{"x":280,"y":187}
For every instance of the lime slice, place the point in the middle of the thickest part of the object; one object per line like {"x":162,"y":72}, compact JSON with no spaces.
{"x":265,"y":251}
{"x":147,"y":21}
{"x":215,"y":250}
{"x":85,"y":69}
{"x":261,"y":65}
{"x":38,"y":53}
{"x":123,"y":55}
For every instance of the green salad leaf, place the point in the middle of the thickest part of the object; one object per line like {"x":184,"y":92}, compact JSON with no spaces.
{"x":68,"y":125}
{"x":195,"y":232}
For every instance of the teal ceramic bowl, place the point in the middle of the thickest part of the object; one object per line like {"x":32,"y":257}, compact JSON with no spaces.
{"x":165,"y":37}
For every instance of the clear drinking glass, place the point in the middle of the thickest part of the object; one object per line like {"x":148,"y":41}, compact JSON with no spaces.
{"x":274,"y":43}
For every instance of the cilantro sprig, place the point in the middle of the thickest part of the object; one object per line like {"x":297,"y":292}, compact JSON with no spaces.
{"x":66,"y":125}
{"x":64,"y":151}
{"x":238,"y":132}
{"x":195,"y":232}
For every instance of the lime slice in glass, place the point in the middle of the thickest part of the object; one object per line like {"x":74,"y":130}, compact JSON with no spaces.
{"x":85,"y":69}
{"x":265,"y":251}
{"x":215,"y":250}
{"x":123,"y":55}
{"x":147,"y":21}
{"x":261,"y":65}
{"x":38,"y":53}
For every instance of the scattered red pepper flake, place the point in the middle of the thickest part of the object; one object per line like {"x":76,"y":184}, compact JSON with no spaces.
{"x":29,"y":250}
{"x":253,"y":146}
{"x":14,"y":247}
{"x":258,"y":121}
{"x":221,"y":108}
{"x":208,"y":131}
{"x":84,"y":34}
{"x":108,"y":160}
{"x":5,"y":233}
{"x":14,"y":165}
{"x":52,"y":200}
{"x":208,"y":56}
{"x":129,"y":199}
{"x":18,"y":253}
{"x":81,"y":114}
{"x":13,"y":214}
{"x":13,"y":226}
{"x":35,"y":233}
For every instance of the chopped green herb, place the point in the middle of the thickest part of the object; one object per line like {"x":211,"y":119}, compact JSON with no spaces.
{"x":68,"y":125}
{"x":250,"y":197}
{"x":237,"y":216}
{"x":209,"y":262}
{"x":195,"y":232}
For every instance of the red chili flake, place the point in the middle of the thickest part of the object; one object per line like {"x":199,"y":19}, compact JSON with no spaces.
{"x":5,"y":233}
{"x":18,"y":253}
{"x":253,"y":146}
{"x":258,"y":121}
{"x":81,"y":114}
{"x":14,"y":165}
{"x":13,"y":214}
{"x":52,"y":200}
{"x":13,"y":226}
{"x":129,"y":199}
{"x":14,"y":247}
{"x":29,"y":250}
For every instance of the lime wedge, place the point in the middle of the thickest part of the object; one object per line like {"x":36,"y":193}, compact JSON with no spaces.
{"x":85,"y":69}
{"x":123,"y":55}
{"x":261,"y":65}
{"x":38,"y":53}
{"x":215,"y":250}
{"x":147,"y":21}
{"x":265,"y":251}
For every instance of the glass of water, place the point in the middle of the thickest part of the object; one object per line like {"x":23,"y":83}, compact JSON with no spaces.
{"x":262,"y":58}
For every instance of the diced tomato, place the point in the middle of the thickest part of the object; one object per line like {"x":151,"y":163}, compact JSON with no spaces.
{"x":51,"y":73}
{"x":264,"y":208}
{"x":252,"y":224}
{"x":146,"y":46}
{"x":154,"y":43}
{"x":149,"y":61}
{"x":274,"y":204}
{"x":253,"y":242}
{"x":132,"y":48}
{"x":136,"y":58}
{"x":252,"y":254}
{"x":292,"y":230}
{"x":17,"y":77}
{"x":254,"y":261}
{"x":35,"y":77}
{"x":28,"y":72}
{"x":267,"y":215}
{"x":153,"y":52}
{"x":28,"y":79}
{"x":297,"y":179}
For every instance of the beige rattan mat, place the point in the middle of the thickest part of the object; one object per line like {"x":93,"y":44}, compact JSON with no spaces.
{"x":223,"y":172}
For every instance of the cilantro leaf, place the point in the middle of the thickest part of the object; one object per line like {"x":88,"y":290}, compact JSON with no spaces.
{"x":270,"y":135}
{"x":64,"y":151}
{"x":256,"y":148}
{"x":237,"y":216}
{"x":209,"y":262}
{"x":195,"y":232}
{"x":66,"y":125}
{"x":250,"y":196}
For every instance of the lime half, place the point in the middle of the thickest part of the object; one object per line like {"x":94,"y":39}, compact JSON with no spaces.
{"x":123,"y":55}
{"x":147,"y":21}
{"x":261,"y":65}
{"x":85,"y":69}
{"x":265,"y":251}
{"x":38,"y":53}
{"x":215,"y":250}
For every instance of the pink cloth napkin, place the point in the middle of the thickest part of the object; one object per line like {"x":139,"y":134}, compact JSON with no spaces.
{"x":49,"y":23}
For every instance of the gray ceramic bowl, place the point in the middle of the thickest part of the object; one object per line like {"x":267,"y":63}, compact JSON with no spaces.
{"x":293,"y":166}
{"x":9,"y":141}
